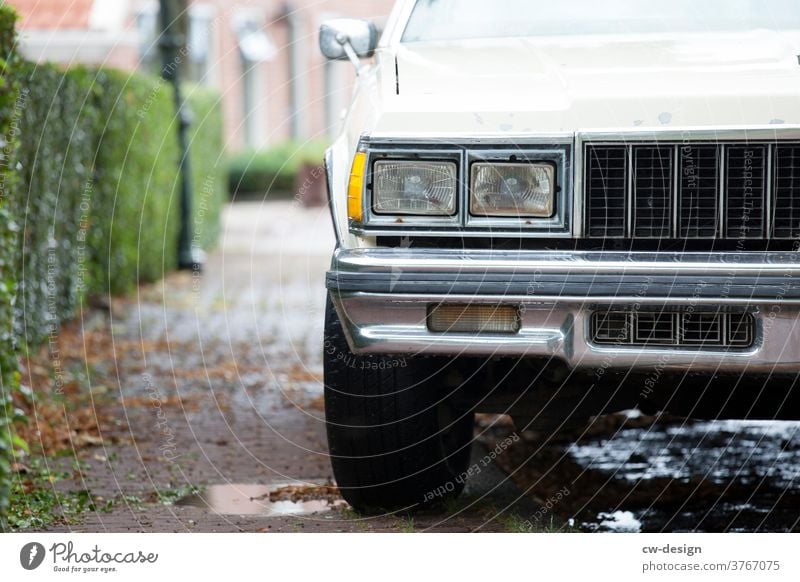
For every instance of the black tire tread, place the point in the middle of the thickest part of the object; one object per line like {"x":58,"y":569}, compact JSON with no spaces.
{"x":387,"y":448}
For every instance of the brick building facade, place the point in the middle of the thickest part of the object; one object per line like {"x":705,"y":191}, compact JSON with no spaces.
{"x":261,"y":55}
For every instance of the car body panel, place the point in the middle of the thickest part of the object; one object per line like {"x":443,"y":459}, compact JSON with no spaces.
{"x":565,"y":90}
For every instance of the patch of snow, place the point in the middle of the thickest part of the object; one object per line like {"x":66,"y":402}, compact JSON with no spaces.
{"x":758,"y":428}
{"x":634,"y":413}
{"x":620,"y":522}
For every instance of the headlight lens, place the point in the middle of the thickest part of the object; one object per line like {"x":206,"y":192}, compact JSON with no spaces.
{"x":411,"y":187}
{"x":525,"y":190}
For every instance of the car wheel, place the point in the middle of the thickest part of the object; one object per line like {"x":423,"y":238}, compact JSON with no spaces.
{"x":396,"y":440}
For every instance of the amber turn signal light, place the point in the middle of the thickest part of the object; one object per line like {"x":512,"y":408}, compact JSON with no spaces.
{"x":355,"y":188}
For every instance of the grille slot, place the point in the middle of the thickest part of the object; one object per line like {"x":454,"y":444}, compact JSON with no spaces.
{"x":741,"y":329}
{"x":786,"y":221}
{"x":606,"y":190}
{"x":675,"y":329}
{"x":652,"y":192}
{"x":698,"y":197}
{"x":655,"y":328}
{"x":746,"y":173}
{"x":701,"y":190}
{"x":698,"y":329}
{"x":612,"y":327}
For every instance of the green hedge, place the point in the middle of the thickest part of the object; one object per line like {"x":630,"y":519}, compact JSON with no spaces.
{"x":54,"y":159}
{"x":134,"y":204}
{"x":8,"y":142}
{"x":273,"y":170}
{"x":98,"y":196}
{"x":208,"y":164}
{"x":89,"y":202}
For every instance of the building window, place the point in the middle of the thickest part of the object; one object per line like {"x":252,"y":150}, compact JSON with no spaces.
{"x":200,"y":44}
{"x":252,"y":110}
{"x":298,"y":73}
{"x":198,"y":67}
{"x":147,"y":29}
{"x":255,"y":48}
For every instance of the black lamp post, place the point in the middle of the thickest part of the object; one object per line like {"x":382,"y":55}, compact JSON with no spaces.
{"x":172,"y":43}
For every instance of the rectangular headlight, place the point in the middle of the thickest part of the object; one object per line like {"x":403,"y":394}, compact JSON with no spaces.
{"x":415,"y":187}
{"x":513,"y":190}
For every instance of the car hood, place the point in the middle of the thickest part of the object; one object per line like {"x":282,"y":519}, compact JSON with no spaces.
{"x":544,"y":85}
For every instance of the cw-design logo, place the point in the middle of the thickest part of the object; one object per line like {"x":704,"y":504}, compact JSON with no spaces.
{"x":31,"y":555}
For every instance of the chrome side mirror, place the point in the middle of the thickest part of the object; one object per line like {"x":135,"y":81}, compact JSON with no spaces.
{"x":348,"y":38}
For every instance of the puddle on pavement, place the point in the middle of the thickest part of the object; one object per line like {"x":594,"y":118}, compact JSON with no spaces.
{"x":719,"y":452}
{"x":745,"y":471}
{"x":261,"y":500}
{"x":741,"y":476}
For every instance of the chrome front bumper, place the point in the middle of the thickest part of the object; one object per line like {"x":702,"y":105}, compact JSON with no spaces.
{"x":382,"y":297}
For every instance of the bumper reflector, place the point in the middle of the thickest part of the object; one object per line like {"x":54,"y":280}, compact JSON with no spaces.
{"x":461,"y":318}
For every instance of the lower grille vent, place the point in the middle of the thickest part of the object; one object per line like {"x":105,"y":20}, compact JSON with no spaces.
{"x":672,"y":329}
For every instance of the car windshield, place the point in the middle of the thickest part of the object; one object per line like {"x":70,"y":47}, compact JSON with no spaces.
{"x":436,"y":20}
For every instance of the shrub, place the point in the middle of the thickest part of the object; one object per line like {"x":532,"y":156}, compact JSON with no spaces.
{"x":208,"y":164}
{"x":133,"y":197}
{"x":88,"y":196}
{"x":8,"y":143}
{"x":96,"y":200}
{"x":55,"y":164}
{"x":274,"y":170}
{"x":82,"y":118}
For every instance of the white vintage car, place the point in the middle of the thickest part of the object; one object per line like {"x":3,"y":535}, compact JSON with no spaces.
{"x":554,"y":210}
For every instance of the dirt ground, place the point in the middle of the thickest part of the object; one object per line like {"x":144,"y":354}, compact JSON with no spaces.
{"x":209,"y":388}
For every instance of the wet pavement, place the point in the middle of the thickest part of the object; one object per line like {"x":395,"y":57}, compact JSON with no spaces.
{"x":217,"y":398}
{"x":631,"y":473}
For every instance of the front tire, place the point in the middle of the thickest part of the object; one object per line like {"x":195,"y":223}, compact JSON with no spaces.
{"x":396,"y":440}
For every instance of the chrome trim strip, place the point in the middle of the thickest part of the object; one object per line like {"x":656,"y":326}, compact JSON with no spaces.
{"x":675,"y":192}
{"x":425,"y":231}
{"x":593,"y":302}
{"x":575,"y":262}
{"x":630,"y":194}
{"x":754,"y":133}
{"x":473,"y":139}
{"x":769,"y":194}
{"x":328,"y":167}
{"x":579,"y":228}
{"x":723,"y":188}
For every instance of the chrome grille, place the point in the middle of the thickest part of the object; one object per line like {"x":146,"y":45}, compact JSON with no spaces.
{"x":679,"y":329}
{"x":702,"y":190}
